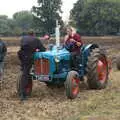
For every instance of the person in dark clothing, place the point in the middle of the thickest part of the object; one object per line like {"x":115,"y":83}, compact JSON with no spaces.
{"x":3,"y":51}
{"x":29,"y":44}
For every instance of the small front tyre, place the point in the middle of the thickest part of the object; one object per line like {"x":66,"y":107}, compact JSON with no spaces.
{"x":72,"y":84}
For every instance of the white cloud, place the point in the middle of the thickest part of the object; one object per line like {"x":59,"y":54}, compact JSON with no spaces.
{"x":9,"y":7}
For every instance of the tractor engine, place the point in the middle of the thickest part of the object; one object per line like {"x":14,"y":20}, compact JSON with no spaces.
{"x":52,"y":64}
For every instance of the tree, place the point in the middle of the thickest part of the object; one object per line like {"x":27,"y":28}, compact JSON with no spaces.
{"x":97,"y":17}
{"x":24,"y":20}
{"x":3,"y":17}
{"x":6,"y":25}
{"x":77,"y":12}
{"x":46,"y":14}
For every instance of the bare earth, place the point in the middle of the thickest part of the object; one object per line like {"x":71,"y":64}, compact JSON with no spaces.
{"x":52,"y":104}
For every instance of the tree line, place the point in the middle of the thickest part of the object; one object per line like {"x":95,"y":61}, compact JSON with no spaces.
{"x":89,"y":17}
{"x":19,"y":24}
{"x":96,"y":17}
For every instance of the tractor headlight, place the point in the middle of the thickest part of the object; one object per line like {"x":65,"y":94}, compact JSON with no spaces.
{"x":57,"y":59}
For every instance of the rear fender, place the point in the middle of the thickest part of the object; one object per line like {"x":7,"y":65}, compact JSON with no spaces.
{"x":85,"y":52}
{"x":87,"y":48}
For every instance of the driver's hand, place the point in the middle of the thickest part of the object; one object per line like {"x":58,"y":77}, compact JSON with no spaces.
{"x":72,"y":40}
{"x":78,"y":44}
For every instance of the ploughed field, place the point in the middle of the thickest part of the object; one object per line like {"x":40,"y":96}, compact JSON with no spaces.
{"x":52,"y":103}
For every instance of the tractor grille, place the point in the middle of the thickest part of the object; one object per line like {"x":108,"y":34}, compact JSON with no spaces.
{"x":41,"y":66}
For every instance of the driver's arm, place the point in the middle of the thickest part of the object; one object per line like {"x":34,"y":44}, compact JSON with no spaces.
{"x":65,"y":39}
{"x":78,"y":40}
{"x":40,"y":46}
{"x":78,"y":43}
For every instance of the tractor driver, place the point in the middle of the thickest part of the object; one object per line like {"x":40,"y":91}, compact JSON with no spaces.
{"x":73,"y":42}
{"x":29,"y":43}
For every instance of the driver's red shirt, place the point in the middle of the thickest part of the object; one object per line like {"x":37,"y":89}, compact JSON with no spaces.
{"x":77,"y":38}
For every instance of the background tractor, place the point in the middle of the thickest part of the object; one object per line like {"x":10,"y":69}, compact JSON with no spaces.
{"x":118,"y":62}
{"x":55,"y":67}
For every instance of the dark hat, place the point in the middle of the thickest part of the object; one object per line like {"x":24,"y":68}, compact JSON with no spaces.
{"x":31,"y":32}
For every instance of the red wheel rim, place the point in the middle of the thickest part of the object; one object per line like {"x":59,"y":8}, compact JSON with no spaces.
{"x":102,"y":69}
{"x":28,"y":88}
{"x":75,"y":86}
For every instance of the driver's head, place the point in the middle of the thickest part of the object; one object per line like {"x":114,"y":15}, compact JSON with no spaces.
{"x":31,"y":32}
{"x":70,"y":31}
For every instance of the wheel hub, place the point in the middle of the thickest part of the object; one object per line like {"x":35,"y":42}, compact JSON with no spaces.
{"x":75,"y":86}
{"x":102,"y":70}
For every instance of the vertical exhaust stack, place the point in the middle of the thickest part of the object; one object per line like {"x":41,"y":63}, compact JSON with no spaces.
{"x":57,"y":34}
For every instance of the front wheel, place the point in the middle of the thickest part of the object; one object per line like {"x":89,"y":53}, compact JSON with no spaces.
{"x":97,"y":69}
{"x":72,"y":84}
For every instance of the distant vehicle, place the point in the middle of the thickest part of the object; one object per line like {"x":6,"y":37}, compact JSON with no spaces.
{"x":118,"y":62}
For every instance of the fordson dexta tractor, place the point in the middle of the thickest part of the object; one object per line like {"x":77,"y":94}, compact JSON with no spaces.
{"x":54,"y":67}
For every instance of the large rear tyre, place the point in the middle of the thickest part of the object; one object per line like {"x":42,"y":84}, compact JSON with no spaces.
{"x":72,"y":84}
{"x":97,"y":69}
{"x":28,"y":87}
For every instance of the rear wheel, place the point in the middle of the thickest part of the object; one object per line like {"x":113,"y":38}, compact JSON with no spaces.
{"x":28,"y":87}
{"x":72,"y":84}
{"x":97,"y":69}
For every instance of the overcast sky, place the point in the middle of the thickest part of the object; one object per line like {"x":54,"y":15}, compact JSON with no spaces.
{"x":9,"y":7}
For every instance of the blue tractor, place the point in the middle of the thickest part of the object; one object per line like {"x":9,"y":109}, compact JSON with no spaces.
{"x":55,"y":67}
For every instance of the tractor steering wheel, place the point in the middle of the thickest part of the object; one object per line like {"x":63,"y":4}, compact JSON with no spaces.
{"x":69,"y":45}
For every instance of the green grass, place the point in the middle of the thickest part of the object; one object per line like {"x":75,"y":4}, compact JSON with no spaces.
{"x":100,"y":105}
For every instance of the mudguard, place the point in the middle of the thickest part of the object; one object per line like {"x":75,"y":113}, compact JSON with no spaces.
{"x":84,"y":54}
